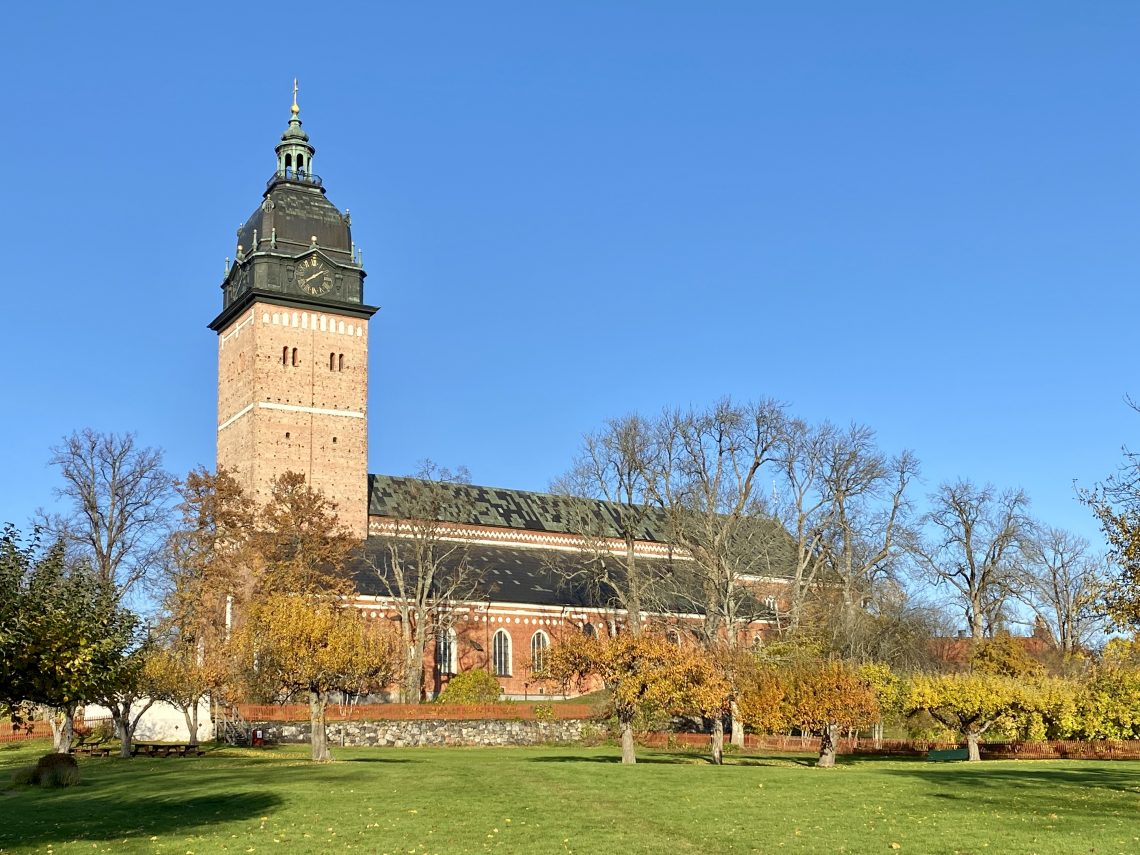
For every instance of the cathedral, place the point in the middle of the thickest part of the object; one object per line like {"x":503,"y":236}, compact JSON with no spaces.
{"x":293,"y":396}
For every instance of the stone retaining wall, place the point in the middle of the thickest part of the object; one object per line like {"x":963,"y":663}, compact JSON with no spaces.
{"x":399,"y":734}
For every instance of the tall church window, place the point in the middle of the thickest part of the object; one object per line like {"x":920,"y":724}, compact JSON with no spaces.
{"x":285,"y":355}
{"x":294,"y":357}
{"x":590,"y":630}
{"x":445,"y":651}
{"x":331,"y":361}
{"x":539,"y":642}
{"x":340,"y":363}
{"x":501,"y":653}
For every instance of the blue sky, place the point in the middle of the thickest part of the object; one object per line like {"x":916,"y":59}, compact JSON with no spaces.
{"x":918,"y":216}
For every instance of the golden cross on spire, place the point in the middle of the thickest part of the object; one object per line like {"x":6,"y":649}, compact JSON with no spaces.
{"x":295,"y":109}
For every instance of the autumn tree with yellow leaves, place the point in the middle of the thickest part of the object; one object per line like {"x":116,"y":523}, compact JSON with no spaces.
{"x":299,"y":644}
{"x":968,"y":704}
{"x":825,"y":698}
{"x":644,"y":674}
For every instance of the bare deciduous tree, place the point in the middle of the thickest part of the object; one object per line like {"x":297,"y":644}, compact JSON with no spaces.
{"x":119,"y":499}
{"x":611,"y":505}
{"x":709,"y":483}
{"x":972,"y":543}
{"x":423,"y":566}
{"x":865,"y":497}
{"x":800,"y":503}
{"x":1062,"y":584}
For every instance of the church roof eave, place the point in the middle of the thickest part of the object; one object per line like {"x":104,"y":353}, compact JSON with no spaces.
{"x":290,"y":301}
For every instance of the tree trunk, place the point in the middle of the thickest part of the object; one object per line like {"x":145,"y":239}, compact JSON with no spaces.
{"x":627,"y":752}
{"x":717,"y":741}
{"x":62,"y":720}
{"x":190,"y":713}
{"x":117,"y":720}
{"x":413,"y":683}
{"x":121,"y":715}
{"x":127,"y":737}
{"x":318,"y":701}
{"x":977,"y":617}
{"x":877,"y":734}
{"x":130,"y":725}
{"x":828,"y":742}
{"x":972,"y":747}
{"x":737,"y":725}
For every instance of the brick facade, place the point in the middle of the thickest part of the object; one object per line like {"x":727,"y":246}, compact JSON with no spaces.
{"x":293,"y":396}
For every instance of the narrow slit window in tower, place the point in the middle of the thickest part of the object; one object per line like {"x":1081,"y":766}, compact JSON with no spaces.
{"x":340,"y":364}
{"x":294,"y":357}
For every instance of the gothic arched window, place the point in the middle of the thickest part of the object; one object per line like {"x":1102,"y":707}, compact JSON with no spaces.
{"x":445,"y":651}
{"x":501,"y":653}
{"x":539,"y":642}
{"x":590,"y":630}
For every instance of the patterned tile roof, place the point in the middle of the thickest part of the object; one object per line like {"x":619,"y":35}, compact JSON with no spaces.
{"x":522,"y":576}
{"x":519,"y":576}
{"x":389,"y":496}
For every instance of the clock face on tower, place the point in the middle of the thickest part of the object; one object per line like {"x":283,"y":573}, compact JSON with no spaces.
{"x":314,"y":277}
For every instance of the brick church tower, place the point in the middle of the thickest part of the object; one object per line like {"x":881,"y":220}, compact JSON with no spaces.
{"x":293,"y":342}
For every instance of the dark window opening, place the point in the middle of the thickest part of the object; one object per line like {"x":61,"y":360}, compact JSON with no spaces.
{"x":332,"y":361}
{"x":294,"y":357}
{"x":285,"y":355}
{"x":340,"y":363}
{"x":501,"y":653}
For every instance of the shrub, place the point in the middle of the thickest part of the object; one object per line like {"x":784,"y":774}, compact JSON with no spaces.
{"x":56,"y":770}
{"x":544,"y":712}
{"x":24,"y":777}
{"x":470,"y":687}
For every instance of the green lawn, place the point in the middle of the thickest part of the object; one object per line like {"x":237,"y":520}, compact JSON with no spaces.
{"x":553,"y":800}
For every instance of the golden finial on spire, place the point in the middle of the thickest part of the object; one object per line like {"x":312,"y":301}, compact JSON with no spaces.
{"x":295,"y":109}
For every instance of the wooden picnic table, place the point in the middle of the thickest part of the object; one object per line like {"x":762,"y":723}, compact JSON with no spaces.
{"x":94,"y":748}
{"x":166,"y":749}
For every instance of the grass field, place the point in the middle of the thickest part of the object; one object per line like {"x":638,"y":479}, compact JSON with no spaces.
{"x":555,"y":800}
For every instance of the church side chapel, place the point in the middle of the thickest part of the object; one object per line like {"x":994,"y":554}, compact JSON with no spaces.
{"x":512,"y":570}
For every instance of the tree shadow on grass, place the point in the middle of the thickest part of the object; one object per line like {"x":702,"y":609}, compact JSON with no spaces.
{"x":84,"y":813}
{"x":377,"y":760}
{"x":1029,"y":786}
{"x":676,"y":759}
{"x":773,"y":762}
{"x":1026,"y":775}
